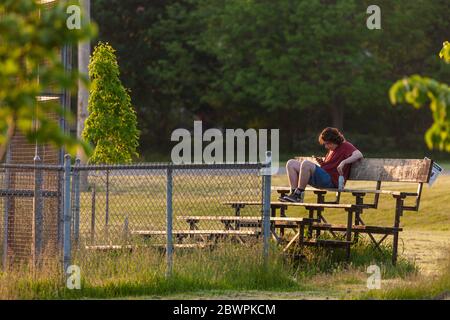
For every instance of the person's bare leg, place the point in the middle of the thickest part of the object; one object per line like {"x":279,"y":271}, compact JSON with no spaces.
{"x":300,"y":176}
{"x":293,"y":172}
{"x":307,"y":169}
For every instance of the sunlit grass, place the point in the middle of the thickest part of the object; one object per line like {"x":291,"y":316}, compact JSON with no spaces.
{"x":228,"y":267}
{"x":420,"y":288}
{"x":143,"y":272}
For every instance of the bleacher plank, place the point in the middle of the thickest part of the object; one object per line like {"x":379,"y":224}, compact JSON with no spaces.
{"x":296,"y":204}
{"x":240,"y":218}
{"x":327,"y":243}
{"x":390,"y":170}
{"x":220,"y":218}
{"x":196,"y":232}
{"x":356,"y":228}
{"x":369,"y":191}
{"x":133,"y":247}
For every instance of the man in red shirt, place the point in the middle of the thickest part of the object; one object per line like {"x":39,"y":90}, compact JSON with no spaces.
{"x":341,"y":154}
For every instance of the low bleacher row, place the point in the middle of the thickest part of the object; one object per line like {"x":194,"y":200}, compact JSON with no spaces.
{"x":308,"y":230}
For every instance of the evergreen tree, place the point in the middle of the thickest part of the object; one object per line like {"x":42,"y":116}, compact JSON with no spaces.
{"x":112,"y":122}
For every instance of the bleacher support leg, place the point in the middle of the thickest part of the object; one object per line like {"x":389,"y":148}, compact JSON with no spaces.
{"x":349,"y":232}
{"x":398,"y":214}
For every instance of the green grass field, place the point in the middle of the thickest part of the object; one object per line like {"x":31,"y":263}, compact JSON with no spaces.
{"x":236,"y":272}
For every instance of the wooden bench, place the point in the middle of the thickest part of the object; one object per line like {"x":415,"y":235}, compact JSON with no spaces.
{"x":315,"y":216}
{"x":241,"y":221}
{"x":414,"y":171}
{"x":205,"y":235}
{"x":238,"y":222}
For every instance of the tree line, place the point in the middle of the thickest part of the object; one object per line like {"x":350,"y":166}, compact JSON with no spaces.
{"x":296,"y":65}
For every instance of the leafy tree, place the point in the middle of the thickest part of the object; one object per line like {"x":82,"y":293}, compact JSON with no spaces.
{"x":112,"y":122}
{"x":261,"y":60}
{"x":290,"y":64}
{"x":419,"y":91}
{"x":272,"y":55}
{"x":445,"y":52}
{"x":30,"y":41}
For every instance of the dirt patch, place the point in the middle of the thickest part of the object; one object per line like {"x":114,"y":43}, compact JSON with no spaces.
{"x":248,"y":295}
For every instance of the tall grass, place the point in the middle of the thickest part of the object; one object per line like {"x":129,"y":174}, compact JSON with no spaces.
{"x":142,"y":272}
{"x":316,"y":261}
{"x":226,"y":267}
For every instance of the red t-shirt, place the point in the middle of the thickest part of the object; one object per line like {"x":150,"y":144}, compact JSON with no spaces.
{"x":334,"y":158}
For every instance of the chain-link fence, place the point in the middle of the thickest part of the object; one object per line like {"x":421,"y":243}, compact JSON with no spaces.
{"x":117,"y":203}
{"x":67,"y":209}
{"x":30,"y":202}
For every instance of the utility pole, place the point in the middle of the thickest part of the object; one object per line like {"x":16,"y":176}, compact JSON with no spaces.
{"x":84,"y":51}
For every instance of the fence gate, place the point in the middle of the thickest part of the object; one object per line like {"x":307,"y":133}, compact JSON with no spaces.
{"x":30,"y":223}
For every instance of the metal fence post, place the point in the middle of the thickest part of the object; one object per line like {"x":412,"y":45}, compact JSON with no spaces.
{"x":93,"y":216}
{"x":61,"y":208}
{"x":125,"y":230}
{"x":107,"y":205}
{"x":6,"y":212}
{"x":267,"y":176}
{"x":5,"y":231}
{"x":37,"y":222}
{"x":169,"y":244}
{"x":67,"y":214}
{"x":76,"y":203}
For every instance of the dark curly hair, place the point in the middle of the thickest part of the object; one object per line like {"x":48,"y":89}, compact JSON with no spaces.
{"x":332,"y":135}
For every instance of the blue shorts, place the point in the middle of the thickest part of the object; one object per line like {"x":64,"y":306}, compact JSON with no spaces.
{"x":321,"y":179}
